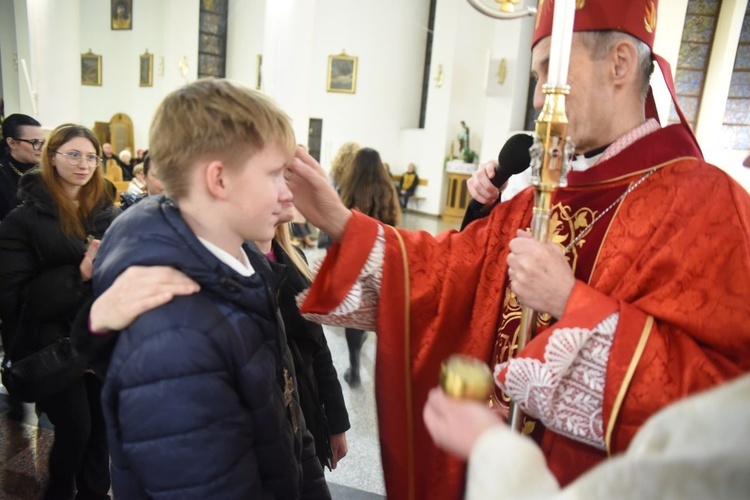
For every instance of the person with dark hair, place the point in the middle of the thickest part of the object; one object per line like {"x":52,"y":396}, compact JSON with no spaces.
{"x":23,"y":140}
{"x":368,"y":189}
{"x":47,"y":249}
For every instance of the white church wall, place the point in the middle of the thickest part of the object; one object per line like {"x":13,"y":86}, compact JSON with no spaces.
{"x":9,"y":57}
{"x":245,"y":30}
{"x":54,"y":64}
{"x":461,"y":39}
{"x":167,"y":29}
{"x":389,"y":39}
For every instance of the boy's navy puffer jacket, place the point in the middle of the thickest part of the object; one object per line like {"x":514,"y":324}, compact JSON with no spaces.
{"x":193,"y":397}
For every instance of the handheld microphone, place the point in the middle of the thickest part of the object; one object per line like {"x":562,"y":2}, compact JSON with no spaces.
{"x":513,"y":159}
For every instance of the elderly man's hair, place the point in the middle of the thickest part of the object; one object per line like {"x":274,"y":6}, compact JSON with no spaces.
{"x":600,"y":43}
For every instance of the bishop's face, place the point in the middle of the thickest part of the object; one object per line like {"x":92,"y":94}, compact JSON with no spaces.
{"x":589,"y":104}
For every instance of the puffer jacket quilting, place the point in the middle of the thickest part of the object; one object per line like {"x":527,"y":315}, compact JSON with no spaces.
{"x":193,"y":397}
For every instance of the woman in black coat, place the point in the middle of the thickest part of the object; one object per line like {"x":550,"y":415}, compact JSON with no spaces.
{"x":320,"y":394}
{"x":20,"y":151}
{"x":47,"y":247}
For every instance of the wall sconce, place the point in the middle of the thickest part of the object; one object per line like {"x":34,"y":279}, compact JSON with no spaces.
{"x":502,"y":71}
{"x":439,"y":76}
{"x":183,"y":65}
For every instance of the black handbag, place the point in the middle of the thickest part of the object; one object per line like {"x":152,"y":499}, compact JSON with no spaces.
{"x":43,"y":373}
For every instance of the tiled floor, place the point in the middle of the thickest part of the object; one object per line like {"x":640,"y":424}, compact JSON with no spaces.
{"x":24,"y":446}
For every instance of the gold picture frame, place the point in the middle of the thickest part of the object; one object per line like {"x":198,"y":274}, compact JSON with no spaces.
{"x":146,"y":78}
{"x":342,"y":74}
{"x":259,"y":72}
{"x":91,"y":69}
{"x":121,"y":15}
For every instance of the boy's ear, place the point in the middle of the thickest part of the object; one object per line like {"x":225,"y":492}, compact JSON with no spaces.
{"x":215,"y":175}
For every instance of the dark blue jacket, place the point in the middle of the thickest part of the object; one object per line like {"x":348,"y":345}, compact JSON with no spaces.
{"x":193,"y":397}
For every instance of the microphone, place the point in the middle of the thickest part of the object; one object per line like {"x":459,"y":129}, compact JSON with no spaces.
{"x":513,"y":159}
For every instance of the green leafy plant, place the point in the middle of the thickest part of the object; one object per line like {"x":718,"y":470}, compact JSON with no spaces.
{"x":469,"y":156}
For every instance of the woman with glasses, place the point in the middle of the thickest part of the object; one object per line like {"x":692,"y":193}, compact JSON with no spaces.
{"x":23,"y":139}
{"x":47,"y":247}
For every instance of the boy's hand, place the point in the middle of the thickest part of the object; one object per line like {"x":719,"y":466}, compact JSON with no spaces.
{"x":314,"y":196}
{"x":137,"y":290}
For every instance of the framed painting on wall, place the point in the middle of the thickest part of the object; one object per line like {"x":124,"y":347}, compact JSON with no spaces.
{"x":91,"y":69}
{"x":122,"y":14}
{"x":147,"y":70}
{"x":342,"y":74}
{"x":258,"y":72}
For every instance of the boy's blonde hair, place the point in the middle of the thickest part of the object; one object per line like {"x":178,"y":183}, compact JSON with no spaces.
{"x":213,"y":119}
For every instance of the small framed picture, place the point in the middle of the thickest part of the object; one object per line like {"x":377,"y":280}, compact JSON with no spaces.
{"x":122,"y":14}
{"x":147,"y":70}
{"x":258,"y":72}
{"x":91,"y":69}
{"x":342,"y":74}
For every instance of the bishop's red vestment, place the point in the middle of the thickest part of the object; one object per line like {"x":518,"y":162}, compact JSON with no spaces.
{"x":672,"y":258}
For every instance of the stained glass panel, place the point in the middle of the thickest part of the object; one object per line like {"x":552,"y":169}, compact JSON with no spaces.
{"x":742,"y":62}
{"x":689,"y":106}
{"x":737,"y":111}
{"x":736,"y":136}
{"x":212,"y":23}
{"x":689,"y":82}
{"x":704,"y":7}
{"x":699,"y":29}
{"x":693,"y":56}
{"x":212,"y":41}
{"x":740,"y":86}
{"x":211,"y":44}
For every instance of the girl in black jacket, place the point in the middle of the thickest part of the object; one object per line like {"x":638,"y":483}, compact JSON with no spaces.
{"x":320,"y":394}
{"x":47,"y":247}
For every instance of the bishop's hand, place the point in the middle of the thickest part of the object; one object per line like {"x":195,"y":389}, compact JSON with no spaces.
{"x":539,"y":273}
{"x":314,"y":196}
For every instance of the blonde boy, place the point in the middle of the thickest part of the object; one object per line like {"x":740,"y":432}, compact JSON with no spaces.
{"x":200,"y":399}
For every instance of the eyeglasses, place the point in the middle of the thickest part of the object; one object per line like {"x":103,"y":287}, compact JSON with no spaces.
{"x":36,"y":144}
{"x":75,"y":158}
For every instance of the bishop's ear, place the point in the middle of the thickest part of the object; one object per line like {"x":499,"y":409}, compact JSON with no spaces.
{"x":624,"y":57}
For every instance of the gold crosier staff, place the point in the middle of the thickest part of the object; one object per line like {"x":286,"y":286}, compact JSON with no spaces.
{"x":550,"y":156}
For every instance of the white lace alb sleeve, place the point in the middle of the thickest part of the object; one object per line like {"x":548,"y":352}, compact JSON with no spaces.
{"x":359,"y":309}
{"x":566,"y":389}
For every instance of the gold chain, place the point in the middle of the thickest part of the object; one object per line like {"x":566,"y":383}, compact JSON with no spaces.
{"x":13,"y":168}
{"x":586,"y":230}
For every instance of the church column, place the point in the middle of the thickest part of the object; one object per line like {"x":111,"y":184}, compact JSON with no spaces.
{"x":287,"y":58}
{"x":54,"y":61}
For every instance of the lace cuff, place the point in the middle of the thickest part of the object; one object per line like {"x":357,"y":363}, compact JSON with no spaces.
{"x":359,"y":309}
{"x":565,"y":390}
